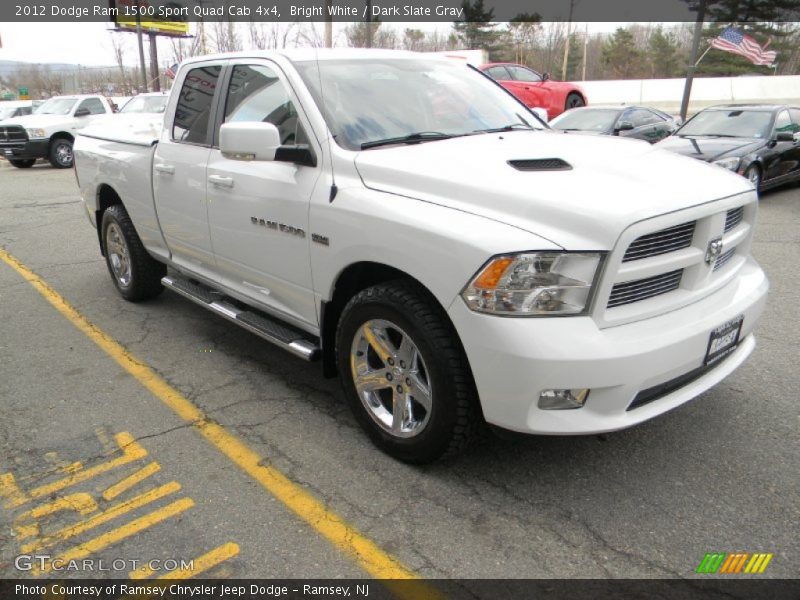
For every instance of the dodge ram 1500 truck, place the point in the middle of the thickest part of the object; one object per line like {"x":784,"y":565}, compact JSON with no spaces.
{"x":413,"y":226}
{"x":50,"y":131}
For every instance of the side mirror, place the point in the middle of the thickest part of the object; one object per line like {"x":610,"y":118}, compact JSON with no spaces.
{"x":255,"y":140}
{"x":624,"y":126}
{"x":784,"y":136}
{"x":249,"y":140}
{"x":545,"y":76}
{"x":82,"y":112}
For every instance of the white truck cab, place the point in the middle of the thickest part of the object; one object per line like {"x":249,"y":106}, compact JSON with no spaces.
{"x":50,"y":131}
{"x":416,"y":228}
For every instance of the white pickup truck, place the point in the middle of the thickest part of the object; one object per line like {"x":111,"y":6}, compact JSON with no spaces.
{"x":408,"y":222}
{"x":50,"y":131}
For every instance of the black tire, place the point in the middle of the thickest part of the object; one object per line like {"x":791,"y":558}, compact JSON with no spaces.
{"x":23,"y":164}
{"x":753,"y":173}
{"x":454,"y":418}
{"x":143,"y":280}
{"x":60,"y":155}
{"x":574,"y":100}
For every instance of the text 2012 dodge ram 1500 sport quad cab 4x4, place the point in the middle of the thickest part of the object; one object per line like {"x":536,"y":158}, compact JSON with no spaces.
{"x":415,"y":227}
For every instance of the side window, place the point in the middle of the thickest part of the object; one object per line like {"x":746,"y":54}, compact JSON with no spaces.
{"x":795,"y":114}
{"x":193,"y":111}
{"x":638,"y":117}
{"x":521,"y":74}
{"x":257,"y":94}
{"x":94,"y":105}
{"x":784,"y":123}
{"x":498,"y":73}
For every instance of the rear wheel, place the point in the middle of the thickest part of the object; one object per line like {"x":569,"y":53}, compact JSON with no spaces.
{"x":574,"y":101}
{"x":405,"y":374}
{"x":753,"y":173}
{"x":61,"y":153}
{"x":135,"y":273}
{"x":23,"y":164}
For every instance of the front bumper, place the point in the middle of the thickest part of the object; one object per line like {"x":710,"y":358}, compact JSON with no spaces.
{"x":24,"y":150}
{"x":514,"y":359}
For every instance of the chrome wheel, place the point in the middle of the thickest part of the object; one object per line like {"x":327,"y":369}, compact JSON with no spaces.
{"x":118,"y":255}
{"x":391,"y":378}
{"x":63,"y":154}
{"x":754,"y":175}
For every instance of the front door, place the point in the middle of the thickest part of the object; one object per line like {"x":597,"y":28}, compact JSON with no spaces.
{"x":258,"y":210}
{"x":179,"y":171}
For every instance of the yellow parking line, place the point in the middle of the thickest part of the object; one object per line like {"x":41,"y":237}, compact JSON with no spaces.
{"x":205,"y":562}
{"x":120,"y":533}
{"x":103,"y":517}
{"x":130,"y":481}
{"x":346,"y":538}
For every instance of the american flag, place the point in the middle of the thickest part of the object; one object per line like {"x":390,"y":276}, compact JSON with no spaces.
{"x":171,"y":71}
{"x":733,"y":40}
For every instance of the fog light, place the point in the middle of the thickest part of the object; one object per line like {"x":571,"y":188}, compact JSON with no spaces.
{"x":562,"y":399}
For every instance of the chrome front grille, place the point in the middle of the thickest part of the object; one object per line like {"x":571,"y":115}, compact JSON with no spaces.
{"x":641,"y":289}
{"x":661,"y":242}
{"x":723,"y":258}
{"x":733,"y":217}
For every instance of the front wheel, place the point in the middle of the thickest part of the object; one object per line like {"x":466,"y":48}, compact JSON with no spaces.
{"x":23,"y":164}
{"x":753,"y":173}
{"x":136,"y":274}
{"x":574,"y":101}
{"x":61,"y":153}
{"x":405,"y":374}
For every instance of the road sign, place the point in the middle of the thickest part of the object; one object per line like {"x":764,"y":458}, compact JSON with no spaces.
{"x":23,"y":93}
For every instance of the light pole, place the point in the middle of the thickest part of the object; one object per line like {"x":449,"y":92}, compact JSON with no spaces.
{"x":698,"y":31}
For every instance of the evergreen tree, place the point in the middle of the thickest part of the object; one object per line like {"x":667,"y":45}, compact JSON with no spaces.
{"x":621,"y":56}
{"x":663,"y":54}
{"x":477,"y":30}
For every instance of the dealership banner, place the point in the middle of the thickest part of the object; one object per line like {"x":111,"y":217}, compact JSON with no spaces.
{"x":389,"y":589}
{"x":175,"y":13}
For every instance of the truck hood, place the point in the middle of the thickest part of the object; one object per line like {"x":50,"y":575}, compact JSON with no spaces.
{"x":710,"y":147}
{"x":40,"y":121}
{"x":612,"y":183}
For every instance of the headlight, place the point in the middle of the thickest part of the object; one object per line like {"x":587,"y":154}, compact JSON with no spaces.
{"x":534,"y":284}
{"x":728,"y":163}
{"x":36,"y":133}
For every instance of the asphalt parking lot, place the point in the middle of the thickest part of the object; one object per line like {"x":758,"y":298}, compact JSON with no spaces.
{"x":246,"y":460}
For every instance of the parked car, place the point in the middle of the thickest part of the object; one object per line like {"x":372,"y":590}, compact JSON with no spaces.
{"x":759,"y":141}
{"x":454,"y":263}
{"x":50,"y":131}
{"x":15,"y":108}
{"x":152,"y":102}
{"x":638,"y":122}
{"x":536,"y":89}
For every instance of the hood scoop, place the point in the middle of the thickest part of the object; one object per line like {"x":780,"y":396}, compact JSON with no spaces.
{"x":540,"y":164}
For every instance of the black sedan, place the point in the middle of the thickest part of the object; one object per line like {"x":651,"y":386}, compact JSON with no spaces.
{"x":638,"y":122}
{"x":760,"y":142}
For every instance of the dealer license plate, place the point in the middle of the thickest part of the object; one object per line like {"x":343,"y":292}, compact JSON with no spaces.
{"x":723,"y":340}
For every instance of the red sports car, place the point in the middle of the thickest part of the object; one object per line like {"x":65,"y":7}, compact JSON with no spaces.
{"x":536,"y":90}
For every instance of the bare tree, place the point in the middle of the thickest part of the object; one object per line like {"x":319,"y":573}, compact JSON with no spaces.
{"x":226,"y":37}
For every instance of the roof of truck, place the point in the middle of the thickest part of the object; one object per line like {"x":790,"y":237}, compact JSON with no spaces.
{"x":301,"y":54}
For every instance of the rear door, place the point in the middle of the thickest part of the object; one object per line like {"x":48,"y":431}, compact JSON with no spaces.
{"x":179,"y":169}
{"x":258,"y":210}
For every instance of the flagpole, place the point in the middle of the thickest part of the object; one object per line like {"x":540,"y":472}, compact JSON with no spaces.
{"x":698,"y":31}
{"x":703,"y":56}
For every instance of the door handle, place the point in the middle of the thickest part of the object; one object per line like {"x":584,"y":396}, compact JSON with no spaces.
{"x":165,"y":169}
{"x":218,"y":180}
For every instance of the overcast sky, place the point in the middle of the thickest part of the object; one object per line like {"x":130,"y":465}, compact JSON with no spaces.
{"x":90,"y":43}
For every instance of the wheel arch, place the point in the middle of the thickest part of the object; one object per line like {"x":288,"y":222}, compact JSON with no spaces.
{"x":349,"y":282}
{"x":61,"y":135}
{"x":106,"y":196}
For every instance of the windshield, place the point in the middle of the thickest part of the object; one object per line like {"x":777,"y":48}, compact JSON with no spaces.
{"x":145,"y":104}
{"x":7,"y":111}
{"x":57,"y":106}
{"x":586,"y":120}
{"x":367,"y":100}
{"x":729,"y":123}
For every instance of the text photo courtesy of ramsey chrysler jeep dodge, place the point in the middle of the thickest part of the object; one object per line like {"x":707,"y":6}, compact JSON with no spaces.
{"x":415,"y":228}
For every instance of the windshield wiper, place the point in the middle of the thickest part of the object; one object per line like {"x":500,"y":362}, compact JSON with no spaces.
{"x":412,"y":138}
{"x":511,"y":127}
